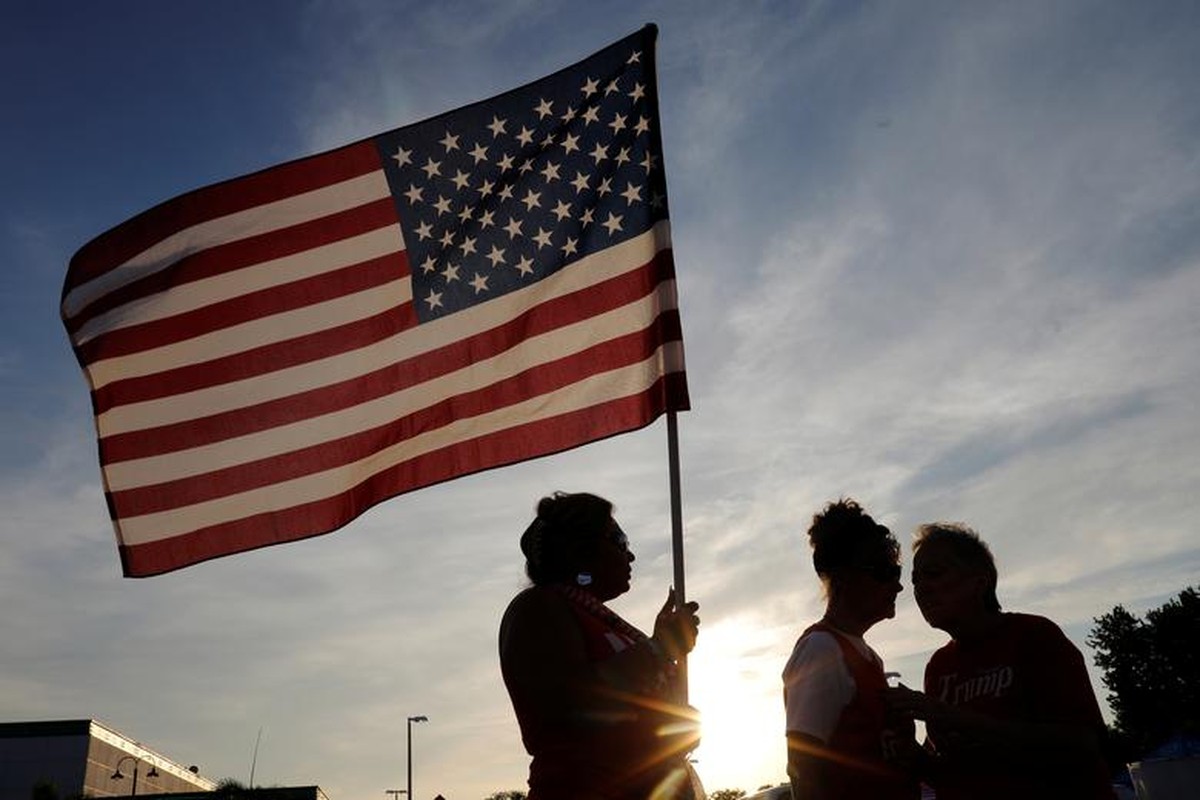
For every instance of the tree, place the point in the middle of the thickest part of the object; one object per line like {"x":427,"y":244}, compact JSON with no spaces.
{"x":727,"y":794}
{"x":1150,"y":668}
{"x":511,"y":794}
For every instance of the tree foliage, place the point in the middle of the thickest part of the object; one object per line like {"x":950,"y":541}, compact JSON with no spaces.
{"x":727,"y":794}
{"x":511,"y":794}
{"x":1150,"y":667}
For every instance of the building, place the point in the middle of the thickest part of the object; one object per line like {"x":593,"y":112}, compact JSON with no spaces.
{"x":85,"y":758}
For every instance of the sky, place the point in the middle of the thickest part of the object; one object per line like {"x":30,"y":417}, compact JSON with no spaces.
{"x":940,"y":257}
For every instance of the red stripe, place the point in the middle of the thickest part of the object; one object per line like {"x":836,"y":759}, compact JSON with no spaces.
{"x":510,"y":446}
{"x":242,"y":253}
{"x":245,"y":308}
{"x":256,"y":361}
{"x":583,"y":304}
{"x":119,"y":244}
{"x":542,"y":379}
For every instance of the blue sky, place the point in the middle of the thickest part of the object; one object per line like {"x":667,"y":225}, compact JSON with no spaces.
{"x":941,"y":257}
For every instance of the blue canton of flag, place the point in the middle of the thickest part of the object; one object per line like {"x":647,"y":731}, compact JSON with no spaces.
{"x":502,"y":193}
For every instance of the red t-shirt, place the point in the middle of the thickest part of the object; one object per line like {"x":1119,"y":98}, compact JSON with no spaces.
{"x":1026,"y":670}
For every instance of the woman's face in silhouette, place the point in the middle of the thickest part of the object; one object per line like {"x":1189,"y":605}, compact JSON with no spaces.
{"x":610,"y":563}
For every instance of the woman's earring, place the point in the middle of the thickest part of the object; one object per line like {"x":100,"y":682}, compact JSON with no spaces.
{"x":584,"y":579}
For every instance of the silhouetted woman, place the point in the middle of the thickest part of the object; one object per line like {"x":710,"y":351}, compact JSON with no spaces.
{"x":837,"y":727}
{"x":594,"y":695}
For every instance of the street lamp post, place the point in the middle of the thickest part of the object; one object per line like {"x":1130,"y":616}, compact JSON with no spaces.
{"x":411,"y":720}
{"x":116,"y":776}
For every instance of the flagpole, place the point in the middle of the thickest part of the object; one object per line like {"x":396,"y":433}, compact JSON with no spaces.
{"x":676,"y":531}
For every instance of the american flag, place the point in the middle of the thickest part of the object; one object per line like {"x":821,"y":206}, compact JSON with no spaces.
{"x":272,"y":355}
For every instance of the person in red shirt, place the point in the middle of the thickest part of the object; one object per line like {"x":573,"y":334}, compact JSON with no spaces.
{"x":1008,"y":707}
{"x":833,"y":685}
{"x":595,"y":698}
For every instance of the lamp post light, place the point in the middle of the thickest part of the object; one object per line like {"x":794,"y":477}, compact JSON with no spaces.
{"x":116,"y":776}
{"x":411,"y":720}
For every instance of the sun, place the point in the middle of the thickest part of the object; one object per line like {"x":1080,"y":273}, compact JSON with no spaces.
{"x":734,"y":681}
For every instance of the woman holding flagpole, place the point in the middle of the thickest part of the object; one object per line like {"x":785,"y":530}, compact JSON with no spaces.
{"x":596,"y":699}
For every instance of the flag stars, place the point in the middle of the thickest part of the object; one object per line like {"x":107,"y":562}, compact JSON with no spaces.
{"x":403,"y":157}
{"x":605,"y":187}
{"x":599,"y":152}
{"x":424,"y":231}
{"x":632,"y":194}
{"x":465,"y":215}
{"x":442,"y":205}
{"x":447,"y":239}
{"x":497,"y":126}
{"x":618,"y":123}
{"x":434,"y":300}
{"x":585,"y":218}
{"x":591,"y":114}
{"x":634,"y":58}
{"x":622,"y":157}
{"x":450,"y":273}
{"x":649,"y":162}
{"x":570,"y":247}
{"x":544,"y":108}
{"x":525,"y":136}
{"x":429,"y":264}
{"x":432,"y":167}
{"x":468,"y":246}
{"x":590,"y":87}
{"x":570,"y":143}
{"x":613,"y":223}
{"x":479,"y":282}
{"x":486,"y":188}
{"x":496,"y":256}
{"x":479,"y":153}
{"x":611,"y":88}
{"x":525,"y":265}
{"x":532,"y":200}
{"x":414,"y":194}
{"x":513,"y":228}
{"x":461,"y":179}
{"x":542,"y":237}
{"x":485,"y":219}
{"x":505,"y":163}
{"x":550,"y":172}
{"x":642,"y":126}
{"x":569,"y":114}
{"x":506,"y":192}
{"x":449,"y":141}
{"x":581,"y":182}
{"x":638,"y":92}
{"x":562,"y":210}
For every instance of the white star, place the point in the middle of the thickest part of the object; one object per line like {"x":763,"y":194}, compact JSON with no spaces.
{"x":632,"y":193}
{"x":468,"y":246}
{"x":424,"y":231}
{"x":569,"y":114}
{"x":505,"y":163}
{"x":432,"y":167}
{"x":635,"y":58}
{"x":562,"y":210}
{"x":569,"y":248}
{"x":543,"y":108}
{"x":613,"y":223}
{"x":402,"y":156}
{"x":618,"y":123}
{"x":434,"y":300}
{"x":642,"y":125}
{"x":591,"y":114}
{"x":497,"y":126}
{"x":612,"y":87}
{"x":449,"y":141}
{"x":506,"y":192}
{"x":485,"y":219}
{"x":585,"y":218}
{"x":442,"y":205}
{"x":450,"y":273}
{"x":525,"y":265}
{"x":496,"y":256}
{"x":623,"y":156}
{"x":542,"y":237}
{"x":648,"y":162}
{"x":581,"y":182}
{"x":429,"y":264}
{"x":526,"y":166}
{"x":550,"y":171}
{"x":413,"y":194}
{"x":589,"y":87}
{"x":479,"y":282}
{"x":513,"y":227}
{"x":486,"y":188}
{"x":464,"y":216}
{"x":570,"y":142}
{"x":525,"y":136}
{"x":548,"y":141}
{"x":605,"y":187}
{"x":479,"y":153}
{"x":638,"y":92}
{"x":532,"y":200}
{"x":599,"y":152}
{"x":447,"y":238}
{"x":461,"y":179}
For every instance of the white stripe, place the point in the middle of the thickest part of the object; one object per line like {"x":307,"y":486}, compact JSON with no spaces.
{"x":623,"y":382}
{"x":256,"y":277}
{"x":317,"y":430}
{"x":247,"y":335}
{"x":407,"y":344}
{"x":268,"y":217}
